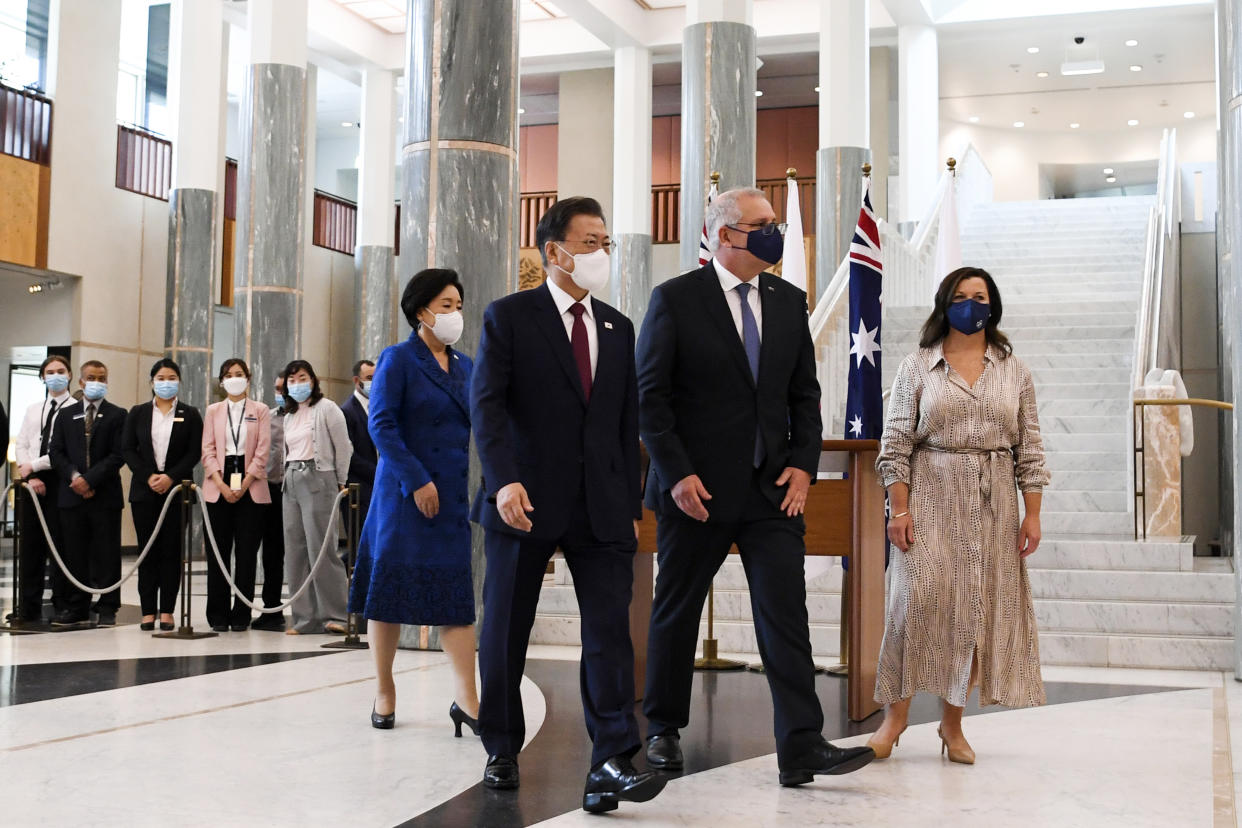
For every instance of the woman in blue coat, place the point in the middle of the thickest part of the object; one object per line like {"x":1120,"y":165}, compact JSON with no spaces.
{"x":414,"y":557}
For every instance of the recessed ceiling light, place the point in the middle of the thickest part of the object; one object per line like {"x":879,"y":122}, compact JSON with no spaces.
{"x":1188,"y":115}
{"x":1032,"y":50}
{"x":1041,"y":74}
{"x":347,"y":123}
{"x":758,"y":93}
{"x":1019,"y":124}
{"x":1132,"y":122}
{"x":817,"y":89}
{"x":1131,"y":42}
{"x":1111,"y":179}
{"x":1134,"y":67}
{"x":521,"y":111}
{"x":974,"y":119}
{"x":1075,"y":125}
{"x":1108,"y":170}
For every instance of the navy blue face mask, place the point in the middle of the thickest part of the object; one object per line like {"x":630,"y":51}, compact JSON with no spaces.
{"x":765,"y":243}
{"x":969,"y":316}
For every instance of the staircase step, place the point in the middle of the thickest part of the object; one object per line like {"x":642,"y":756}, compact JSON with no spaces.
{"x":1147,"y":651}
{"x":1088,"y":469}
{"x":1079,"y":500}
{"x":1062,"y":407}
{"x":1112,"y":552}
{"x":1054,"y":442}
{"x":904,"y":343}
{"x":1109,"y":391}
{"x":912,"y":318}
{"x":1123,"y":585}
{"x":1087,"y":424}
{"x":1090,"y":523}
{"x":1134,"y":618}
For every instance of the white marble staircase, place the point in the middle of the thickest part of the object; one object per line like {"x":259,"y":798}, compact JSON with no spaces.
{"x":1069,"y":273}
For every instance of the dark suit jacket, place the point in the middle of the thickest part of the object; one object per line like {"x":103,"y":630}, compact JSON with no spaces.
{"x":185,"y":448}
{"x":362,"y":461}
{"x":699,"y":401}
{"x":67,"y":448}
{"x":533,"y":424}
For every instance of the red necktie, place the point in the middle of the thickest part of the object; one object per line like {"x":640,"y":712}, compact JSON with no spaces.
{"x":582,"y":349}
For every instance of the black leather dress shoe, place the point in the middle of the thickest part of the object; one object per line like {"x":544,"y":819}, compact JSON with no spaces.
{"x":219,"y":628}
{"x":825,"y":759}
{"x":617,"y":780}
{"x":664,"y":752}
{"x":107,"y":618}
{"x":386,"y":722}
{"x":271,"y":621}
{"x":69,"y":618}
{"x":501,"y":772}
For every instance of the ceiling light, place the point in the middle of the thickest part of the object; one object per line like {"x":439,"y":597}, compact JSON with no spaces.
{"x":1075,"y":125}
{"x":758,"y":93}
{"x":347,"y":123}
{"x":1019,"y":124}
{"x":1041,"y":74}
{"x":1132,"y":122}
{"x":1131,"y":42}
{"x":1108,"y":170}
{"x":1032,"y":50}
{"x":974,"y":119}
{"x":1112,"y":179}
{"x":1188,"y":115}
{"x":1082,"y":67}
{"x":521,"y":111}
{"x":817,"y":89}
{"x":1134,"y":67}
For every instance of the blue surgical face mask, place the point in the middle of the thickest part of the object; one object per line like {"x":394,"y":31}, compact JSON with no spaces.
{"x":969,"y":316}
{"x":764,"y":243}
{"x":167,"y":389}
{"x":280,"y":400}
{"x":56,"y":382}
{"x":365,"y":388}
{"x":300,"y":391}
{"x":94,"y":390}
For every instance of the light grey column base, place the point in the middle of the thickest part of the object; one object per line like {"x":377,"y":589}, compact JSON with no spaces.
{"x":189,"y":301}
{"x":838,"y":196}
{"x":375,"y":300}
{"x":631,"y":275}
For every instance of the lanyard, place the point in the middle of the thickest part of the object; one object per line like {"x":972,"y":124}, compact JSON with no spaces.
{"x":228,"y":410}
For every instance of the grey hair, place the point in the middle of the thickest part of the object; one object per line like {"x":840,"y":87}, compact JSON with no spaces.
{"x":724,"y":210}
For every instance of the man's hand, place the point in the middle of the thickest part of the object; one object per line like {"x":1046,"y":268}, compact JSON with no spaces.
{"x":79,"y":486}
{"x":689,"y":494}
{"x":427,"y":499}
{"x":795,"y":496}
{"x":36,"y":486}
{"x":513,"y":503}
{"x":635,"y":530}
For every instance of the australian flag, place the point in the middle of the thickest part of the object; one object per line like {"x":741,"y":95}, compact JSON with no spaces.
{"x":864,"y":402}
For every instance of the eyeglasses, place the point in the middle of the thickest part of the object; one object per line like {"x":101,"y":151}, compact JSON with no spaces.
{"x":764,"y":228}
{"x":591,"y":245}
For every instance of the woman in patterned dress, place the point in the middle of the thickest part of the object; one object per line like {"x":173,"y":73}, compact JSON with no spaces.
{"x":961,"y":438}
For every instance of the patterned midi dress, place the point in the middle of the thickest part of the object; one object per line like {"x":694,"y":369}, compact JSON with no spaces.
{"x":961,"y":590}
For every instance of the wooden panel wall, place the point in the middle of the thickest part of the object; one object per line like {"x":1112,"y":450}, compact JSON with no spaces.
{"x":24,"y":199}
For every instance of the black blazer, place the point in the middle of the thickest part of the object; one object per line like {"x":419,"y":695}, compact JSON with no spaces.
{"x":362,"y":461}
{"x":533,"y":424}
{"x":699,"y":401}
{"x":185,"y":448}
{"x":67,"y":449}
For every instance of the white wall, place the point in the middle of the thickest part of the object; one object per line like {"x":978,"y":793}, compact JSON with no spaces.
{"x":335,"y":169}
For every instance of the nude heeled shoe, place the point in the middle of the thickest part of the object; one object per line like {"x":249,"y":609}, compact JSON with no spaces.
{"x":882,"y":749}
{"x":963,"y":756}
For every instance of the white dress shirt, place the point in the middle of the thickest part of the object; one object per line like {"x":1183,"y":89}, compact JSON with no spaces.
{"x":365,"y":402}
{"x":235,"y":443}
{"x":161,"y":432}
{"x":729,"y":283}
{"x":30,"y":436}
{"x":300,"y":434}
{"x":563,"y":303}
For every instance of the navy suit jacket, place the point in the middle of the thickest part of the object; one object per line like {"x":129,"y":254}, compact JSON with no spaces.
{"x":533,"y":424}
{"x":185,"y":448}
{"x":67,"y":449}
{"x":701,"y":404}
{"x":362,"y":461}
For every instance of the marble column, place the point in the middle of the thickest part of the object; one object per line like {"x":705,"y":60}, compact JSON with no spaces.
{"x":844,"y":130}
{"x":271,"y":191}
{"x":374,"y":262}
{"x":718,"y":81}
{"x":459,"y":172}
{"x":918,"y":128}
{"x":195,"y":84}
{"x":631,"y":183}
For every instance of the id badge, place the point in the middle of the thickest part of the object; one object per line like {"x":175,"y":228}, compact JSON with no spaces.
{"x":233,"y":469}
{"x":235,"y":481}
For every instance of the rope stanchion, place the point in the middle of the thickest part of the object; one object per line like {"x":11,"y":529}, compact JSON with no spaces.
{"x":185,"y":632}
{"x":17,"y":626}
{"x":351,"y":641}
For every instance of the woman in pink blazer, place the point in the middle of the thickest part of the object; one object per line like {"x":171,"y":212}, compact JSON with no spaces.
{"x":237,"y":438}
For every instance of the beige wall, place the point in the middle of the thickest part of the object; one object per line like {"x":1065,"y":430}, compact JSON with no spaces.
{"x":328,"y":319}
{"x":584,"y":142}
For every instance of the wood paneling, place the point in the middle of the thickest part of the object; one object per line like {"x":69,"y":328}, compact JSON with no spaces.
{"x":537,"y":158}
{"x":24,"y":189}
{"x":143,"y":162}
{"x":226,"y":251}
{"x":786,"y":138}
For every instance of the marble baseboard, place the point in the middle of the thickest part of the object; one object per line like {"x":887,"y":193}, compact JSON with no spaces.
{"x":1084,"y":584}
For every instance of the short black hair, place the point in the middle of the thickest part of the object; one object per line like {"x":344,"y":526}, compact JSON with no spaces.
{"x":165,"y":363}
{"x":291,"y":405}
{"x":56,"y":358}
{"x":92,"y":363}
{"x":423,"y":288}
{"x":229,"y":363}
{"x":555,"y":222}
{"x":360,"y":364}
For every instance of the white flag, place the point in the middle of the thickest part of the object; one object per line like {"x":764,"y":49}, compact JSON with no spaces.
{"x":793,"y":260}
{"x":948,"y":239}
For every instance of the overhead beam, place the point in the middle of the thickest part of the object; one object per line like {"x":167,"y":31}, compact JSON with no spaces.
{"x":910,"y":12}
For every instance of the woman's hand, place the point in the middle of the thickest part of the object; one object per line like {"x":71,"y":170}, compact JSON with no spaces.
{"x":901,"y":532}
{"x":1029,"y":535}
{"x":160,"y":483}
{"x":427,"y":499}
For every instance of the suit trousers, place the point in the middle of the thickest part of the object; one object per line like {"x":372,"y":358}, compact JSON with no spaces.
{"x":238,"y":530}
{"x":92,"y":533}
{"x":773,"y":552}
{"x":159,"y":576}
{"x":273,"y":547}
{"x":35,"y":553}
{"x":603,"y":575}
{"x":309,"y":519}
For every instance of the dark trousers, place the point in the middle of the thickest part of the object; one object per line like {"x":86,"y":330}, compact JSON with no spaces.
{"x":35,"y":552}
{"x":772,"y":552}
{"x":92,"y":551}
{"x":238,"y":530}
{"x":603,"y":576}
{"x":159,"y":577}
{"x":273,"y":547}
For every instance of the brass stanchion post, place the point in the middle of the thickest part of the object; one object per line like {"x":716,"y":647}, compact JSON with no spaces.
{"x":351,"y":641}
{"x":186,"y":630}
{"x":711,"y":659}
{"x":17,"y":626}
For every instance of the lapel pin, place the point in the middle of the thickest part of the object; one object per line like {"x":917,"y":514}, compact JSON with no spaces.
{"x":608,"y":325}
{"x":771,"y":288}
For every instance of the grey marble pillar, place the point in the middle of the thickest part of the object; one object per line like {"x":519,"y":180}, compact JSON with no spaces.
{"x":374,"y":300}
{"x":718,"y":80}
{"x":188,"y":320}
{"x":838,"y":194}
{"x":631,"y":275}
{"x":271,"y":182}
{"x":459,"y":175}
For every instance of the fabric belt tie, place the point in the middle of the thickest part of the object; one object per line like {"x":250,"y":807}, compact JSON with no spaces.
{"x":985,"y":463}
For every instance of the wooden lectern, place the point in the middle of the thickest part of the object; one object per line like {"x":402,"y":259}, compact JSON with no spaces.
{"x":845,"y":518}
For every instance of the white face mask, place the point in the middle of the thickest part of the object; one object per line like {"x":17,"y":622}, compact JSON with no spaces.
{"x":235,"y":386}
{"x":448,"y":326}
{"x":591,"y":270}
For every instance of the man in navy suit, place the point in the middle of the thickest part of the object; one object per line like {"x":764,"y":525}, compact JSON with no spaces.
{"x":364,"y":459}
{"x":86,"y":453}
{"x":730,"y":418}
{"x":554,"y":406}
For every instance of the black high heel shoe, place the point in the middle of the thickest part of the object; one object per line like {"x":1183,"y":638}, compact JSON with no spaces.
{"x":383,"y":722}
{"x":460,"y":718}
{"x":146,"y":626}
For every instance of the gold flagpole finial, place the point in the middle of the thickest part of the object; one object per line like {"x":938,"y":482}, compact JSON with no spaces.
{"x":791,"y":173}
{"x":715,"y":177}
{"x":866,"y":170}
{"x":952,"y":164}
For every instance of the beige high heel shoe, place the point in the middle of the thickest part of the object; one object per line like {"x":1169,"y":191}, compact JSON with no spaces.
{"x":963,"y":756}
{"x":882,"y":749}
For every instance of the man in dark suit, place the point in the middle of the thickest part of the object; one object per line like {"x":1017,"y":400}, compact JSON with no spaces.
{"x":730,"y":417}
{"x":86,"y":454}
{"x":554,"y":405}
{"x":364,"y":459}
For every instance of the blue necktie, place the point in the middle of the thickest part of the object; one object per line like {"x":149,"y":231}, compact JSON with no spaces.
{"x":750,"y":342}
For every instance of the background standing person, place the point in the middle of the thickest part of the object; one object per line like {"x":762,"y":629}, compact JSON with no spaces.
{"x":162,"y":444}
{"x":961,"y":437}
{"x":317,"y":452}
{"x":273,"y":548}
{"x":362,"y":463}
{"x":237,"y":437}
